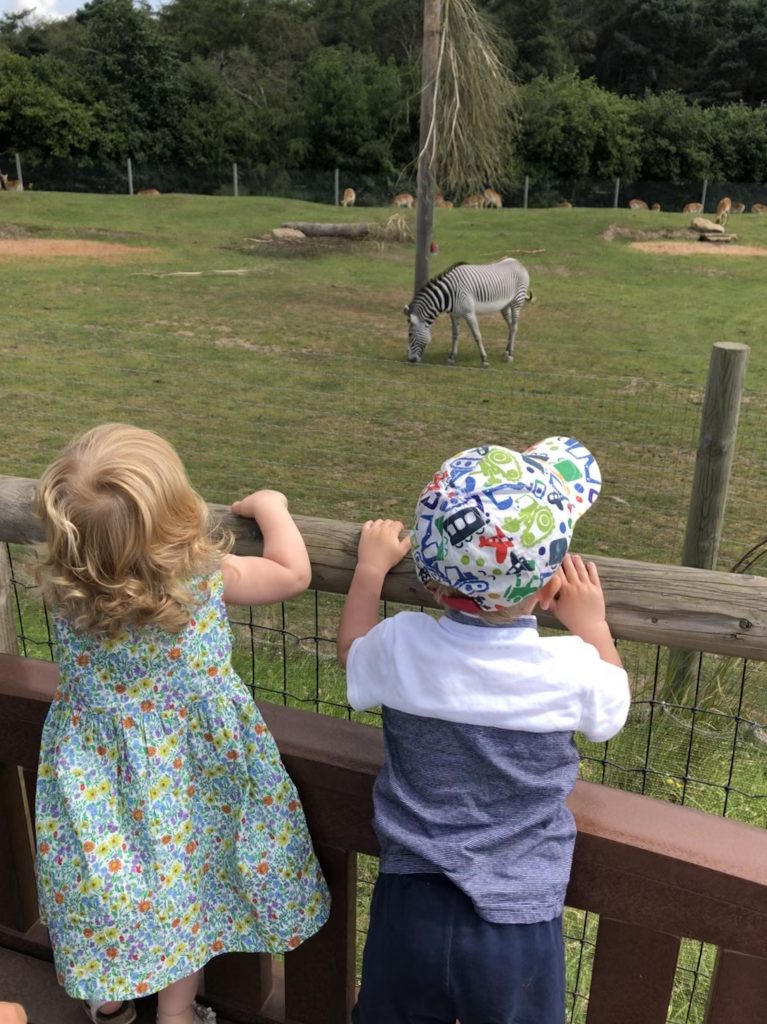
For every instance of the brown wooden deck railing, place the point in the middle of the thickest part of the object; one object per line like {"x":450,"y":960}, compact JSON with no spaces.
{"x":654,"y":872}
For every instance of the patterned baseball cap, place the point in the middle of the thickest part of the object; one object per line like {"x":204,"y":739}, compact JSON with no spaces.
{"x":495,"y":524}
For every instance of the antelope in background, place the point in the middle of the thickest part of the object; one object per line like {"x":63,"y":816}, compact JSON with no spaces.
{"x":10,"y":184}
{"x":403,"y":199}
{"x":723,"y":210}
{"x":637,"y":204}
{"x":692,"y":208}
{"x":439,"y":200}
{"x":148,"y":192}
{"x":492,"y":199}
{"x":474,"y":201}
{"x":758,"y":208}
{"x":738,"y":208}
{"x":350,"y":197}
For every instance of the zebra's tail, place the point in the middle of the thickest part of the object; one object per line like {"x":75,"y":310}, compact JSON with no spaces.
{"x":529,"y":297}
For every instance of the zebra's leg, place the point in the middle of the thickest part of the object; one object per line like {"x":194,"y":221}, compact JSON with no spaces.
{"x":471,"y":320}
{"x":455,"y":323}
{"x":511,"y":316}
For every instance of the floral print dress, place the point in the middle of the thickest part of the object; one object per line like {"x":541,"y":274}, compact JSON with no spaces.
{"x":168,"y":830}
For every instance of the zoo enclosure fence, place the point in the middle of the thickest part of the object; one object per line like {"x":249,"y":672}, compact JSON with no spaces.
{"x":704,"y":750}
{"x":327,"y":186}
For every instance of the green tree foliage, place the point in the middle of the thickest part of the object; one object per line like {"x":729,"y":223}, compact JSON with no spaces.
{"x":734,"y":62}
{"x":130,"y":66}
{"x":539,"y":35}
{"x":351,"y":111}
{"x":654,"y":45}
{"x":658,"y":89}
{"x":37,"y":117}
{"x":738,"y":142}
{"x":676,"y":136}
{"x":571,"y":127}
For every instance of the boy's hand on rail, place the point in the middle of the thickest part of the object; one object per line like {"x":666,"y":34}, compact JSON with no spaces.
{"x":576,"y":599}
{"x":381,"y":544}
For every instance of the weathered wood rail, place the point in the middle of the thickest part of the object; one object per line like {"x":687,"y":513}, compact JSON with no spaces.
{"x":694,"y":609}
{"x":654,"y":872}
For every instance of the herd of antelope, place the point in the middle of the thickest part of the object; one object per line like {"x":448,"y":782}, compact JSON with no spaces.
{"x":489,"y":198}
{"x":724,"y":208}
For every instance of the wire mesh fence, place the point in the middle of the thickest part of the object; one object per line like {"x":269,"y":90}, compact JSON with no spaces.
{"x":372,"y":189}
{"x":706,"y":750}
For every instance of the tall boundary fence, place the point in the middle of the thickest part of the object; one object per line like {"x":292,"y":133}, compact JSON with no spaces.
{"x":327,"y":186}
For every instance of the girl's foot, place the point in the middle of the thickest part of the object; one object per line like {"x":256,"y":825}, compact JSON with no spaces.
{"x":194,"y":1014}
{"x":125,"y":1012}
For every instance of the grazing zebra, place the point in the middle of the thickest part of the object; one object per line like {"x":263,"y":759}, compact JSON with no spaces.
{"x":464,"y":290}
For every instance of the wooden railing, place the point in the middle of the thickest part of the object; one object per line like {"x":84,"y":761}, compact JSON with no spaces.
{"x":654,"y":872}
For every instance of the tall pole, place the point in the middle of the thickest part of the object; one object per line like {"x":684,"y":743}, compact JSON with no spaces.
{"x":432,"y":23}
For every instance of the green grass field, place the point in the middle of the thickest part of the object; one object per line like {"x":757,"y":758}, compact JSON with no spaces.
{"x":292,"y":373}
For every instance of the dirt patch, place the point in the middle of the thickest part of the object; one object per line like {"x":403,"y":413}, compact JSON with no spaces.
{"x":699,"y":248}
{"x":51,"y":248}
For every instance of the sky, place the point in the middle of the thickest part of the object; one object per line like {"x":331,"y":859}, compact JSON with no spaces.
{"x":43,"y":8}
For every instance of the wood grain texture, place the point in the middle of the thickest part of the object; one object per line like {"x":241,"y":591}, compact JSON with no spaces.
{"x":694,"y":609}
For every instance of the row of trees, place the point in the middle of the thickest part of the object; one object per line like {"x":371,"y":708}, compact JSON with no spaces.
{"x":653,"y":89}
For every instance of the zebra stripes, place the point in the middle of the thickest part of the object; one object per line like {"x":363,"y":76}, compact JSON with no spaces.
{"x":464,"y":290}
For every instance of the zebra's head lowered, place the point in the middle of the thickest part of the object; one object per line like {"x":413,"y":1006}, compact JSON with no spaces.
{"x":418,"y":336}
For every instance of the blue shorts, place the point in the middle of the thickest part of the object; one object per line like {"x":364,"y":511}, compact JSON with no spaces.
{"x":431,"y":959}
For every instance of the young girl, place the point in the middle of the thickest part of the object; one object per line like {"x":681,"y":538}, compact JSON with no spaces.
{"x":167,"y":828}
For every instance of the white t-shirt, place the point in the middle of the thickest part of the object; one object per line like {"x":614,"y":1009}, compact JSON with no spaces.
{"x":479,"y":752}
{"x":508,"y":678}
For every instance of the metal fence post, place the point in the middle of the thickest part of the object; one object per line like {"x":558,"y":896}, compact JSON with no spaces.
{"x":18,"y":171}
{"x":616,"y":193}
{"x":130,"y":177}
{"x":703,"y":196}
{"x":335,"y":187}
{"x":527,"y":189}
{"x":235,"y":182}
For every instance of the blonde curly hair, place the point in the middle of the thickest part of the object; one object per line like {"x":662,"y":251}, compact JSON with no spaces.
{"x":125,"y":531}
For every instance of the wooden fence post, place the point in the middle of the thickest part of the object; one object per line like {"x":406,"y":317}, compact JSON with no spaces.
{"x":713,"y":464}
{"x":18,"y":908}
{"x":424,"y":223}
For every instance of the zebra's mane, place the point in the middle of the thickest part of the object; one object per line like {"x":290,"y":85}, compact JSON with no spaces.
{"x":444,"y":273}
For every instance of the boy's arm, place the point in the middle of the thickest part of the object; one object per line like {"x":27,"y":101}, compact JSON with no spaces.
{"x":380,"y":548}
{"x":578,"y":602}
{"x":284,"y":569}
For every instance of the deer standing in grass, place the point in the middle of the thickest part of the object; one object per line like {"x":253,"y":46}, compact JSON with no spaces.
{"x":350,"y":197}
{"x":10,"y":184}
{"x":402,"y":199}
{"x":492,"y":199}
{"x":723,"y":210}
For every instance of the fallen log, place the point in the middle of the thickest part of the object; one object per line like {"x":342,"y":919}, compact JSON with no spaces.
{"x":313,"y":230}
